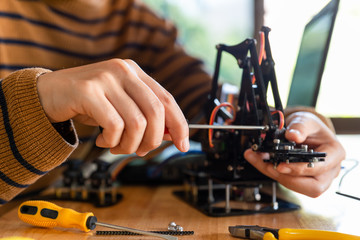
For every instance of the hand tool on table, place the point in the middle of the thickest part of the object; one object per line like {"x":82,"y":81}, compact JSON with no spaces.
{"x":256,"y":232}
{"x":47,"y":214}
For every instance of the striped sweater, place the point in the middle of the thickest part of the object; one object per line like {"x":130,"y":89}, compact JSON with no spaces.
{"x":37,"y":36}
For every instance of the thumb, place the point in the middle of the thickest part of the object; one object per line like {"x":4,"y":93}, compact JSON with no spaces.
{"x":295,"y":135}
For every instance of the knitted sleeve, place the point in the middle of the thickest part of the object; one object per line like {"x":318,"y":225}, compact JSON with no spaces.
{"x":30,"y":145}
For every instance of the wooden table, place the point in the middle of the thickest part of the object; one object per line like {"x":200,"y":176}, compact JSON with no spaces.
{"x":152,"y":208}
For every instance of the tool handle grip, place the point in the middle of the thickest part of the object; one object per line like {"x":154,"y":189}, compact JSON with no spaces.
{"x":309,"y":234}
{"x":46,"y":214}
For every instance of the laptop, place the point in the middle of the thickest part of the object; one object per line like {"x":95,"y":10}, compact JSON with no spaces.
{"x":310,"y":63}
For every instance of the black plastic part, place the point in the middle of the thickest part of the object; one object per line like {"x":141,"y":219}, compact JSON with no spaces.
{"x":101,"y":177}
{"x":91,"y":222}
{"x":73,"y":175}
{"x":48,"y":213}
{"x":30,"y":210}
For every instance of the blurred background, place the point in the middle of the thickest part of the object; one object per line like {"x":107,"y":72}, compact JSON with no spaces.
{"x":204,"y":23}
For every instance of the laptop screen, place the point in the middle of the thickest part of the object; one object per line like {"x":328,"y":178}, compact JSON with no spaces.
{"x":311,"y":58}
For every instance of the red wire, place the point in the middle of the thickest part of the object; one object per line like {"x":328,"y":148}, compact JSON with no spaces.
{"x":281,"y":118}
{"x":212,"y":118}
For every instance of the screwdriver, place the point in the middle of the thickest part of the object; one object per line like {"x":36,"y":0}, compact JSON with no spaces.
{"x":47,"y":214}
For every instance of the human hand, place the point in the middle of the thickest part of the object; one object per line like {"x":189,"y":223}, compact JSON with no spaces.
{"x":130,"y":106}
{"x":305,"y":128}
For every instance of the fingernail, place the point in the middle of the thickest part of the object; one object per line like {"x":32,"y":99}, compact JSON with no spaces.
{"x":185,"y":145}
{"x":141,"y":154}
{"x":284,"y":170}
{"x":294,"y":131}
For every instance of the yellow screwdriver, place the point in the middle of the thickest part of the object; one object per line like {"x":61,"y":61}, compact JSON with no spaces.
{"x":47,"y":214}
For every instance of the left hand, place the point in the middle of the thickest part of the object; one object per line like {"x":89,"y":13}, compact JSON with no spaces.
{"x":305,"y":128}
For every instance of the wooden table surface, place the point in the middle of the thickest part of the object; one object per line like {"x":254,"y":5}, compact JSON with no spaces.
{"x":152,"y":208}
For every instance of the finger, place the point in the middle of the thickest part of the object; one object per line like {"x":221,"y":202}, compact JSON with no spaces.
{"x":335,"y":153}
{"x":302,"y":169}
{"x":300,"y":127}
{"x":174,"y":118}
{"x":293,"y":169}
{"x":134,"y":120}
{"x":310,"y":186}
{"x":257,"y":160}
{"x":167,"y":137}
{"x":106,"y":116}
{"x":307,"y":127}
{"x":152,"y":109}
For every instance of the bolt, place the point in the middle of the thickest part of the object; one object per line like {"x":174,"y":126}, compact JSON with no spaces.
{"x":255,"y":147}
{"x":304,"y":147}
{"x":217,"y":134}
{"x":276,"y":141}
{"x":230,"y":168}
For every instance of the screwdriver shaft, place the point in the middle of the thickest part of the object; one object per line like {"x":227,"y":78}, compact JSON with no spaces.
{"x":168,"y":237}
{"x":239,"y":127}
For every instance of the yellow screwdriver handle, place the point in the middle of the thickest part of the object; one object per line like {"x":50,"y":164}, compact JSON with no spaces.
{"x":46,"y":214}
{"x":310,"y":234}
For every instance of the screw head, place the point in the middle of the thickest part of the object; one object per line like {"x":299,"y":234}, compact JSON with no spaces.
{"x":311,"y":165}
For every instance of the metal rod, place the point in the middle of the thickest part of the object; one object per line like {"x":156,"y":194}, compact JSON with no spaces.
{"x":227,"y":198}
{"x":274,"y":201}
{"x":240,"y":127}
{"x":168,"y":237}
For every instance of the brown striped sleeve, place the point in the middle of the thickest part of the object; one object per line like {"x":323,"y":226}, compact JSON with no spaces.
{"x":30,"y":145}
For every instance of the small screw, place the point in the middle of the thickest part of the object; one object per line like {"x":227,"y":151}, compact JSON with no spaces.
{"x":179,"y":228}
{"x":172,"y":226}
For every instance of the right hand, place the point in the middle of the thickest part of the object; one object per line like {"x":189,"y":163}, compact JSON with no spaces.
{"x":305,"y":128}
{"x":130,"y":106}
